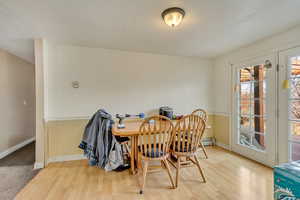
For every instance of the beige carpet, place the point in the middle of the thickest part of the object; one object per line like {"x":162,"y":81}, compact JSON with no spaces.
{"x":16,"y":170}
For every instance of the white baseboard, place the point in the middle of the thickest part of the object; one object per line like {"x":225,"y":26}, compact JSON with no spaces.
{"x":224,"y":146}
{"x":66,"y":158}
{"x":16,"y":147}
{"x":38,"y":165}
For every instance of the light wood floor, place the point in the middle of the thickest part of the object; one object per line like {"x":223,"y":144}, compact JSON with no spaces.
{"x":229,"y":177}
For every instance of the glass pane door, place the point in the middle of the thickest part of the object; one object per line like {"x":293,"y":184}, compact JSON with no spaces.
{"x":251,"y":103}
{"x":254,"y":133}
{"x":294,"y":108}
{"x":289,"y":106}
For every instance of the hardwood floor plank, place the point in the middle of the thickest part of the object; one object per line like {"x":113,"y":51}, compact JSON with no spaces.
{"x":229,"y":177}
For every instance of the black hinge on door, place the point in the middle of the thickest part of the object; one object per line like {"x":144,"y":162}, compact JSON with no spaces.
{"x":277,"y":67}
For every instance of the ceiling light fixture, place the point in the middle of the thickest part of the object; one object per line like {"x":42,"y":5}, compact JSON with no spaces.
{"x":173,"y":16}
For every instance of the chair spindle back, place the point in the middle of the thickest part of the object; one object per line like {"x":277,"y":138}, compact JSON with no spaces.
{"x":155,"y":136}
{"x":200,"y":112}
{"x":188,"y":134}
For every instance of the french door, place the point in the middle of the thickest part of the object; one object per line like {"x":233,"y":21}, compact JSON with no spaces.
{"x":254,"y":109}
{"x":289,"y":106}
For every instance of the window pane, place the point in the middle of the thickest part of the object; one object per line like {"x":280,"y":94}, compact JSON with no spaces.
{"x":295,"y":67}
{"x":294,"y":110}
{"x":259,"y":141}
{"x":295,"y":151}
{"x":245,"y":106}
{"x":245,"y":91}
{"x":245,"y":139}
{"x":245,"y":74}
{"x":258,"y":107}
{"x":259,"y":124}
{"x":295,"y":131}
{"x":259,"y":72}
{"x":245,"y":124}
{"x":295,"y":88}
{"x":259,"y":89}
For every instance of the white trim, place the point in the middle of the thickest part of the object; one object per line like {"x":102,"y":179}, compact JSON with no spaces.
{"x":38,"y":165}
{"x":224,"y":146}
{"x":67,"y":118}
{"x":47,"y":119}
{"x":207,"y":111}
{"x":16,"y":147}
{"x":66,"y":158}
{"x":222,"y":114}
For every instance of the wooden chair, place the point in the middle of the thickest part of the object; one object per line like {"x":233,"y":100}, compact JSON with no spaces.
{"x":188,"y":133}
{"x":155,"y":137}
{"x":203,"y":115}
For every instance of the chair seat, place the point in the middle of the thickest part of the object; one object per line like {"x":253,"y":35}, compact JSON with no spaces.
{"x":186,"y":148}
{"x":154,"y":153}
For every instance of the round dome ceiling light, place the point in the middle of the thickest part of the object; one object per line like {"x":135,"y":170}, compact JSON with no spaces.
{"x":173,"y":16}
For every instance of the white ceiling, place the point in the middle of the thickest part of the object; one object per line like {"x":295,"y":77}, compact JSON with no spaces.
{"x":210,"y":27}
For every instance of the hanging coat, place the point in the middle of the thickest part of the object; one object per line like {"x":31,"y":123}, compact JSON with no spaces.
{"x":99,"y":145}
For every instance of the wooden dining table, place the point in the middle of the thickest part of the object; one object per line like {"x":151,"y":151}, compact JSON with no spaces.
{"x":132,"y":130}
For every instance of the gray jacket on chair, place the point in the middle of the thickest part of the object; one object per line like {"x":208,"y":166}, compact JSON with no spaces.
{"x":98,"y":143}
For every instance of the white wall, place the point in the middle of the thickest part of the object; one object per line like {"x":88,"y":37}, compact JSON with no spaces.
{"x":122,"y":82}
{"x":222,"y":68}
{"x":16,"y":101}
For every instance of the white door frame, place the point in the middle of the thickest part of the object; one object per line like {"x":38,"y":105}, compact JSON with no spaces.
{"x":269,"y":157}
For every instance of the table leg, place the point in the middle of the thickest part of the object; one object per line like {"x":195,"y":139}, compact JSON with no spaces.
{"x":132,"y":156}
{"x":136,"y":154}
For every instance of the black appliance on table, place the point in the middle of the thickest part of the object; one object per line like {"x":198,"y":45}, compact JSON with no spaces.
{"x":166,"y":111}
